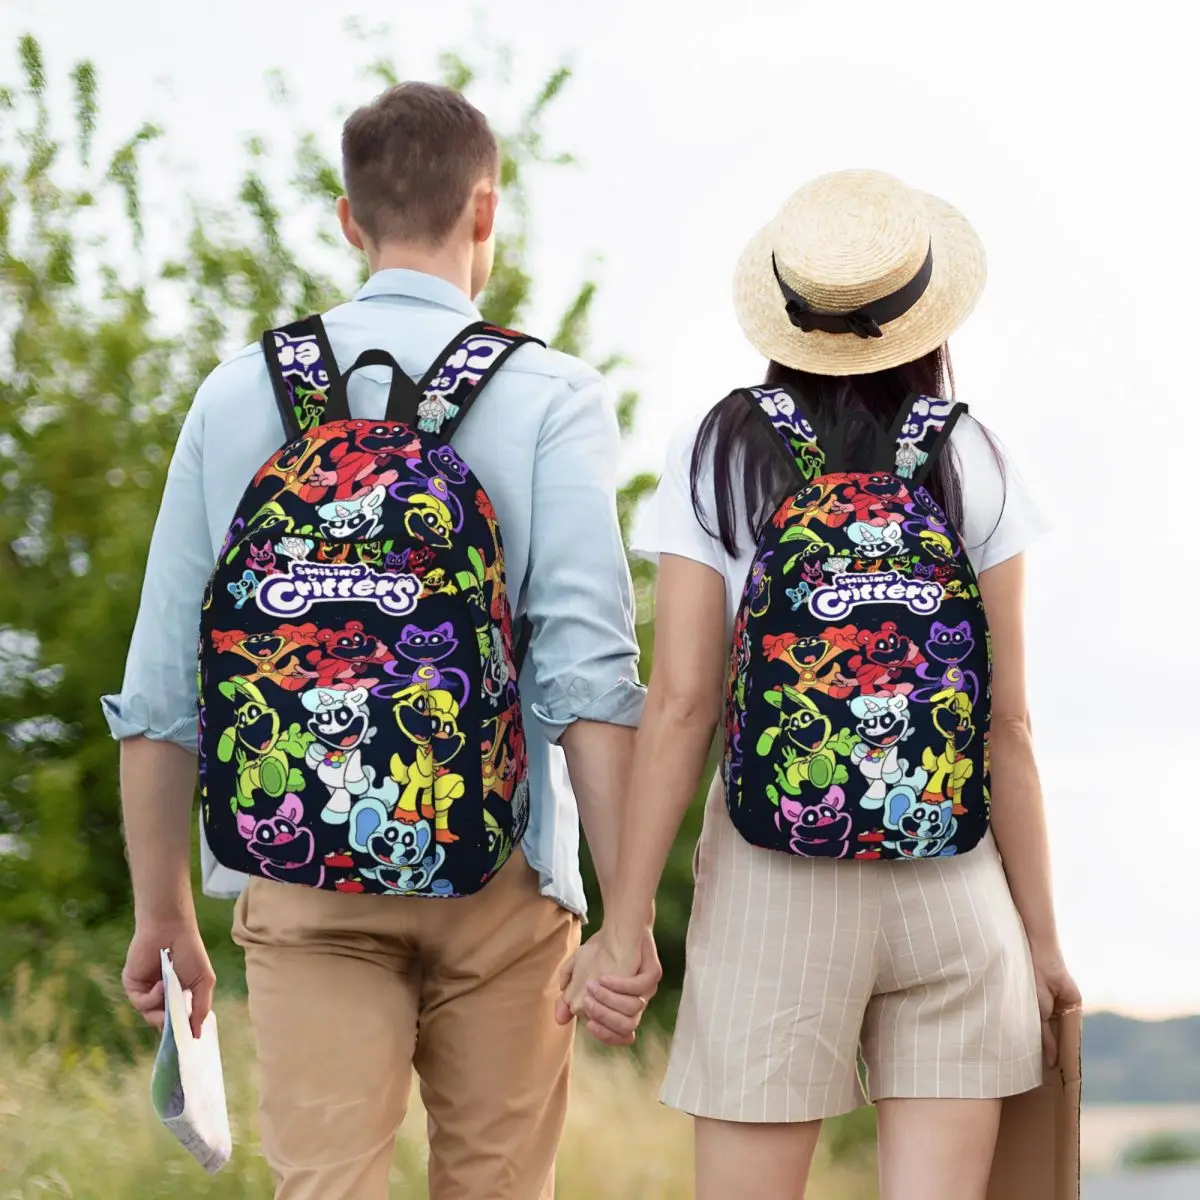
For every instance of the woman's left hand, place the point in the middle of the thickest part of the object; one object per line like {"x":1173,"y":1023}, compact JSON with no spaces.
{"x":1057,"y":992}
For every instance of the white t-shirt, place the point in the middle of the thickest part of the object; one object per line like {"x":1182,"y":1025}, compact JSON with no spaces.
{"x":1000,"y":518}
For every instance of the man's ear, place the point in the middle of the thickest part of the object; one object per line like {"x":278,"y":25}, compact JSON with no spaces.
{"x":486,"y":200}
{"x":350,"y":231}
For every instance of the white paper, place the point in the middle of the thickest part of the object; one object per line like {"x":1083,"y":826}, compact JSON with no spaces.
{"x":187,"y":1088}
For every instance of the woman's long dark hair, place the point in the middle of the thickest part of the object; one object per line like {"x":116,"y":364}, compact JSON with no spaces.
{"x":854,"y":413}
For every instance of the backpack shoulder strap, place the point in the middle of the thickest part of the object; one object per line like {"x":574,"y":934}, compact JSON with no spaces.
{"x":789,"y":417}
{"x":922,"y":429}
{"x":308,"y":389}
{"x":457,"y":376}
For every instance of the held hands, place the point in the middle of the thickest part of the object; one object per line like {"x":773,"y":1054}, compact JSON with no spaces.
{"x":142,"y":977}
{"x":609,"y":986}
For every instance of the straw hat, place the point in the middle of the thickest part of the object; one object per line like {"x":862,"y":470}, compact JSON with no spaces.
{"x":857,"y":273}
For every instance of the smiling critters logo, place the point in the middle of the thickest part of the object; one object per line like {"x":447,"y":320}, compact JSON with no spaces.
{"x":306,"y":584}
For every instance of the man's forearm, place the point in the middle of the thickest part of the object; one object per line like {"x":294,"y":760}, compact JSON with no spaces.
{"x":598,"y":758}
{"x":158,"y":780}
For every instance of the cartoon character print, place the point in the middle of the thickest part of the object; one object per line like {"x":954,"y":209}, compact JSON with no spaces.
{"x":243,"y":589}
{"x":341,"y":726}
{"x":499,"y":765}
{"x":886,"y":654}
{"x":817,"y":830}
{"x":262,"y":559}
{"x":780,"y":407}
{"x":924,"y":514}
{"x":260,"y":749}
{"x":458,"y":375}
{"x":348,"y":657}
{"x":883,"y":723}
{"x":812,"y":546}
{"x":919,"y":827}
{"x":817,"y":503}
{"x":440,"y":463}
{"x":923,"y":423}
{"x":360,"y":455}
{"x":284,"y":848}
{"x":429,"y":517}
{"x":809,"y":746}
{"x":273,"y":655}
{"x":872,"y":499}
{"x":299,"y":358}
{"x":417,"y":655}
{"x":758,"y":588}
{"x":814,"y":659}
{"x":948,"y":646}
{"x":876,"y":541}
{"x":812,"y":576}
{"x":948,"y":767}
{"x":295,"y":548}
{"x":293,"y":466}
{"x":428,"y":718}
{"x":401,"y":855}
{"x":359,"y":517}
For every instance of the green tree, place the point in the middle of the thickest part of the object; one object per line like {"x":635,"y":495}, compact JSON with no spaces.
{"x":94,"y":381}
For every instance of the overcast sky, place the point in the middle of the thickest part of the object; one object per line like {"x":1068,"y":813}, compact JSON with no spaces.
{"x":1065,"y":135}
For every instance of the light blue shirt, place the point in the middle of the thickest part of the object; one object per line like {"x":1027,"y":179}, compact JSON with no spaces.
{"x":542,"y":439}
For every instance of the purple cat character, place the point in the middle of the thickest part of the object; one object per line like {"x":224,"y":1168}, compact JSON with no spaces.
{"x":440,"y":461}
{"x":417,"y":654}
{"x":948,"y":646}
{"x":924,"y":513}
{"x":820,"y":830}
{"x":282,"y":846}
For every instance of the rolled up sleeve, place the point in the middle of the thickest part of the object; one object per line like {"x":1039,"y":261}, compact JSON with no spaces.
{"x":579,"y":594}
{"x":158,"y":695}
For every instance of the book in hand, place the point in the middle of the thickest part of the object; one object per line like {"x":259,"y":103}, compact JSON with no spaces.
{"x":187,"y":1088}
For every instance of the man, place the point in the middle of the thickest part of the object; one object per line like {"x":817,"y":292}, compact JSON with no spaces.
{"x":347,"y":992}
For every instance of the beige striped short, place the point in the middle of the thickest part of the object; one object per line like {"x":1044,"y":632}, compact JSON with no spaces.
{"x":795,"y":966}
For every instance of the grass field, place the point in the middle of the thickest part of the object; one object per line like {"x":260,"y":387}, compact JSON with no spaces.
{"x":74,"y":1124}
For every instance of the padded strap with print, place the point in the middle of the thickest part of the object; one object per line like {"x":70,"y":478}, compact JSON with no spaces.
{"x":457,"y":376}
{"x":922,"y":428}
{"x":304,"y":375}
{"x":790,"y":418}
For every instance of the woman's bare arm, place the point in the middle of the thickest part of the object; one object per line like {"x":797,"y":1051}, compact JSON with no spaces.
{"x":1018,"y":813}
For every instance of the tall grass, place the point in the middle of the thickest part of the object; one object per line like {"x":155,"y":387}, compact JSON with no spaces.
{"x":76,"y":1123}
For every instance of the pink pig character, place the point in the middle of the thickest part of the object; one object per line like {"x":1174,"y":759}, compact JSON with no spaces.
{"x":282,"y":846}
{"x":820,"y":830}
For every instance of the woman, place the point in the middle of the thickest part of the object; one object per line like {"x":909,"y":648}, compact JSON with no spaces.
{"x":850,"y":894}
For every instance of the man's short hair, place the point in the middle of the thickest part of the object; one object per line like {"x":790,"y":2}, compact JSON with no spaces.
{"x":410,"y":159}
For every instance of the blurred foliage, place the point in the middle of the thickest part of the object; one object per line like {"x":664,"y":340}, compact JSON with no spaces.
{"x":1161,"y":1150}
{"x":102,"y":346}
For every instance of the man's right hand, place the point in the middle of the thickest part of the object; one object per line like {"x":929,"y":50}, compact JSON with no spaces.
{"x":142,"y":977}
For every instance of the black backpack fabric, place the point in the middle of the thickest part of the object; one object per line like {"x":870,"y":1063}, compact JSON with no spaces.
{"x":859,"y":687}
{"x":359,"y":714}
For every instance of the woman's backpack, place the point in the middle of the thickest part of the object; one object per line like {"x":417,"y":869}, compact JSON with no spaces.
{"x":859,"y":686}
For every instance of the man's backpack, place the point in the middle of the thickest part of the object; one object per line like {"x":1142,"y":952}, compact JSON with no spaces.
{"x":360,"y":725}
{"x":859,"y":686}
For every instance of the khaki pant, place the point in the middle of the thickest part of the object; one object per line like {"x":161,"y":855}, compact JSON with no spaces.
{"x":348,"y":993}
